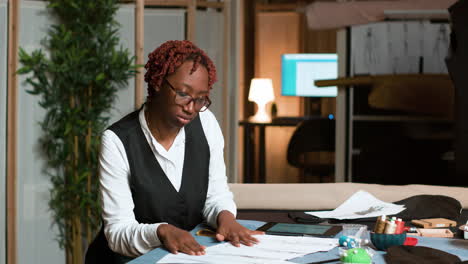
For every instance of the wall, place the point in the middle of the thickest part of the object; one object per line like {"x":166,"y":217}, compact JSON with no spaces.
{"x":321,"y":41}
{"x":278,"y":33}
{"x":3,"y":91}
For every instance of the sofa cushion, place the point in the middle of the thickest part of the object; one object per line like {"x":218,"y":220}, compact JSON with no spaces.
{"x":323,"y":196}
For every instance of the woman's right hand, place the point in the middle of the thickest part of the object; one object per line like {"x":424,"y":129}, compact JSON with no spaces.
{"x":178,"y":240}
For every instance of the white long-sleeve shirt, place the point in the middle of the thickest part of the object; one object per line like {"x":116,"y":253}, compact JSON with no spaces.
{"x":124,"y":234}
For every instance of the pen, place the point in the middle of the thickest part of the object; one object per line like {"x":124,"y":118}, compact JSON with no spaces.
{"x":206,"y":232}
{"x":324,"y":261}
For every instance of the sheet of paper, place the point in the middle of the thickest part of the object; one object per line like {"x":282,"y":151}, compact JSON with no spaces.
{"x":271,"y":249}
{"x":360,"y":205}
{"x":370,"y":49}
{"x":436,"y":46}
{"x":399,"y":47}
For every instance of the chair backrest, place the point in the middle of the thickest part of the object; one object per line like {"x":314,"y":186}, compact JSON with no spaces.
{"x":314,"y":135}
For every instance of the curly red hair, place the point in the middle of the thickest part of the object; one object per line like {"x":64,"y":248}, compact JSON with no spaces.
{"x":165,"y":60}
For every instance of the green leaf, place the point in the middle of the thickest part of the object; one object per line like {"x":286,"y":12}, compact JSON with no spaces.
{"x":33,"y":92}
{"x":23,"y":70}
{"x":100,"y":76}
{"x":68,"y":128}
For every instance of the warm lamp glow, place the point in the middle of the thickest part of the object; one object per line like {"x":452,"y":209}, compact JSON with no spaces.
{"x":261,"y":92}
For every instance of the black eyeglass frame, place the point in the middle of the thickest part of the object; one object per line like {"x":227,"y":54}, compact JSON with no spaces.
{"x":182,"y":95}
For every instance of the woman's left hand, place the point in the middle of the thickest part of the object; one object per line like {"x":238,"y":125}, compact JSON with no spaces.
{"x":230,"y":230}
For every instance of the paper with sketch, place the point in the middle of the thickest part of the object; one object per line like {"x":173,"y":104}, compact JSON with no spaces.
{"x":360,"y":205}
{"x":271,"y":249}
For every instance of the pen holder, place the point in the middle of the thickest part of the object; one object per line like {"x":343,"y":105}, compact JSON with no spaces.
{"x":384,"y":241}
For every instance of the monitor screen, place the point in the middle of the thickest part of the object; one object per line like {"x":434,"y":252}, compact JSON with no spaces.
{"x":299,"y":71}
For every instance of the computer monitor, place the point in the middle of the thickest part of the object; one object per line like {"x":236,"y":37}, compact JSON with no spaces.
{"x":300,"y":71}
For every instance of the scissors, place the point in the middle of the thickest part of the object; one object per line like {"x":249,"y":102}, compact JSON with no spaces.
{"x":206,"y":232}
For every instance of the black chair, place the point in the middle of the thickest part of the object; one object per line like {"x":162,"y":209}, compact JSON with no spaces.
{"x":312,"y":148}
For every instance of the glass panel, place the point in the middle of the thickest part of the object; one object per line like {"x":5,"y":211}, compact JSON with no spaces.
{"x":125,"y":99}
{"x":35,"y":235}
{"x":161,"y":25}
{"x":209,"y":37}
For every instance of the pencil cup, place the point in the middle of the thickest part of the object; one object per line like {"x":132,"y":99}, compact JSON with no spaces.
{"x":384,"y":241}
{"x":354,"y":230}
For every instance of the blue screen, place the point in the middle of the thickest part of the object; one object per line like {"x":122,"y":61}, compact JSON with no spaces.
{"x":300,"y":71}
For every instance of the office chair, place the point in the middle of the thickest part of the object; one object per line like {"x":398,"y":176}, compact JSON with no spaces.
{"x":308,"y":146}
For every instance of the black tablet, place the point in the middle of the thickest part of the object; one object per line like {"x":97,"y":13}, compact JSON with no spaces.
{"x":287,"y":229}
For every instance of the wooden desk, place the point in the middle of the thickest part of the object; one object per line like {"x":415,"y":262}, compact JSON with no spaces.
{"x":250,"y":142}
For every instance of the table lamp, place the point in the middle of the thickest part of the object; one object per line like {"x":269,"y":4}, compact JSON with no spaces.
{"x":261,"y":92}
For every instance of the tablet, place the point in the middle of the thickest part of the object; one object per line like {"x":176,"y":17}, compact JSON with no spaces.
{"x":287,"y":229}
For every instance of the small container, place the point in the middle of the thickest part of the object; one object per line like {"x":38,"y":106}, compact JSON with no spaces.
{"x":384,"y":241}
{"x":354,"y":230}
{"x":464,"y":228}
{"x":356,"y":255}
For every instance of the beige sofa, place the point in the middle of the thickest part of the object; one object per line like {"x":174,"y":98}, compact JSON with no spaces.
{"x":320,"y":196}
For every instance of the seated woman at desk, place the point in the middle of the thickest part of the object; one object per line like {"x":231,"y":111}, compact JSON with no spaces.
{"x":162,"y":170}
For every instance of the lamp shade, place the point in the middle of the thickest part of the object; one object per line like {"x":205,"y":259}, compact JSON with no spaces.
{"x":261,"y":91}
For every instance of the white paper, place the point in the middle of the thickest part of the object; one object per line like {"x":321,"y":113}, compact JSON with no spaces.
{"x":360,"y":205}
{"x":369,"y":54}
{"x":398,"y":47}
{"x":404,"y":46}
{"x":270,"y":249}
{"x":436,"y":46}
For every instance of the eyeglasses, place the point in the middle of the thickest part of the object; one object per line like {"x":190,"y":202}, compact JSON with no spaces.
{"x":200,"y":104}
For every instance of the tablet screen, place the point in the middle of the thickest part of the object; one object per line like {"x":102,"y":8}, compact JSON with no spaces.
{"x":303,"y":229}
{"x":300,"y":229}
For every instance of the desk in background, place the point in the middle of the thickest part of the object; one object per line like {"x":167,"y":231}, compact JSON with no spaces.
{"x":250,"y":143}
{"x":249,"y":146}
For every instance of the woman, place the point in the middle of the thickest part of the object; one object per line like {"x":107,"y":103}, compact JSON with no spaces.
{"x":162,"y":170}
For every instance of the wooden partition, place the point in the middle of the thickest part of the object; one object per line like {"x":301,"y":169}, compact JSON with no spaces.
{"x":3,"y":113}
{"x":11,"y":214}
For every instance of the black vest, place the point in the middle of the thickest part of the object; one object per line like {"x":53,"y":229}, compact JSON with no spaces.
{"x":155,"y":198}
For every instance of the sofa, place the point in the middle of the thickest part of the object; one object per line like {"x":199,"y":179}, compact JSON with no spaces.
{"x":323,"y":196}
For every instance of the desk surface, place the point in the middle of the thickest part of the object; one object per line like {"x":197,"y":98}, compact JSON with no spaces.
{"x":283,"y":121}
{"x":457,"y":247}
